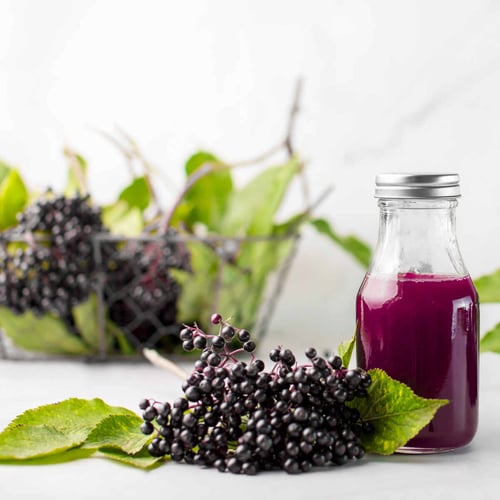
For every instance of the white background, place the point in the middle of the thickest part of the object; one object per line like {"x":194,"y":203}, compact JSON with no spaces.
{"x":389,"y":86}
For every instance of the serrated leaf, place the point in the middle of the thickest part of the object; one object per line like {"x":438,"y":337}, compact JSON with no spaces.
{"x":31,"y":441}
{"x":73,"y":415}
{"x":118,"y":431}
{"x":66,"y":455}
{"x":77,"y":174}
{"x":252,"y":209}
{"x":490,"y":342}
{"x":50,"y":429}
{"x":13,"y":198}
{"x":122,"y":219}
{"x":488,"y":287}
{"x":206,"y":201}
{"x":46,"y":334}
{"x":395,"y":411}
{"x":142,"y":460}
{"x":137,"y":194}
{"x":345,"y":350}
{"x":352,"y":245}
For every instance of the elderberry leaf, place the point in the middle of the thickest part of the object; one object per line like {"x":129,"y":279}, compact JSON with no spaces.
{"x":113,"y":332}
{"x":53,"y":428}
{"x":86,"y":319}
{"x":13,"y":198}
{"x":4,"y":170}
{"x":490,"y":342}
{"x":122,"y":219}
{"x":77,"y":174}
{"x":239,"y":271}
{"x":141,"y":460}
{"x":206,"y":200}
{"x":252,"y":209}
{"x":46,"y":334}
{"x":195,"y":303}
{"x":351,"y":244}
{"x":120,"y":432}
{"x":247,"y":289}
{"x":73,"y":415}
{"x":395,"y":411}
{"x":488,"y":287}
{"x":345,"y":350}
{"x":21,"y":442}
{"x":137,"y":194}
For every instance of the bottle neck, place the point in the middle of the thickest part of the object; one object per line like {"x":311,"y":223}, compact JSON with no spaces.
{"x":418,"y":236}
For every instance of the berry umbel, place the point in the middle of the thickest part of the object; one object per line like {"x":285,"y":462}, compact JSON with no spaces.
{"x":237,"y":417}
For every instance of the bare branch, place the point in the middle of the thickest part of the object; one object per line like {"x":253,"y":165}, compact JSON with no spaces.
{"x":294,"y":110}
{"x":161,"y":362}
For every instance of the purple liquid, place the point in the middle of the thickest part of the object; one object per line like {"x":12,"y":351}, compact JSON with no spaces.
{"x":423,"y":331}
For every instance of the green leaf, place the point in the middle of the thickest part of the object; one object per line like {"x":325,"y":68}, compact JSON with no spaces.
{"x":73,"y":415}
{"x":114,"y":332}
{"x":195,"y":303}
{"x":488,"y":287}
{"x":490,"y":342}
{"x":13,"y":199}
{"x":252,"y":209}
{"x":118,"y":431}
{"x":77,"y":174}
{"x":206,"y":201}
{"x":46,"y":334}
{"x":242,"y":278}
{"x":137,"y":194}
{"x":22,"y":442}
{"x":345,"y":350}
{"x":50,"y":429}
{"x":122,"y":219}
{"x":292,"y":225}
{"x":87,"y":322}
{"x":244,"y":284}
{"x":352,"y":245}
{"x":4,"y":170}
{"x":66,"y":455}
{"x":395,"y":411}
{"x":142,"y":460}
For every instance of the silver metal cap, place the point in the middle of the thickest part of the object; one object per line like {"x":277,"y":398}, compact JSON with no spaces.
{"x":431,"y":185}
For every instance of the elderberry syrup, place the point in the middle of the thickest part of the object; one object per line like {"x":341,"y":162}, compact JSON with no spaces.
{"x":417,"y":308}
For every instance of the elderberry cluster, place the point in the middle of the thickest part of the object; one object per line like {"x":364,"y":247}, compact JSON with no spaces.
{"x":48,"y":265}
{"x":139,"y":288}
{"x":51,"y":271}
{"x":238,"y":417}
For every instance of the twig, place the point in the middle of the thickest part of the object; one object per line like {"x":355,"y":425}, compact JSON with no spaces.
{"x":155,"y":359}
{"x":205,"y":169}
{"x":118,"y":145}
{"x":132,"y":154}
{"x":294,"y":110}
{"x":148,"y":168}
{"x":208,"y":167}
{"x":260,"y":158}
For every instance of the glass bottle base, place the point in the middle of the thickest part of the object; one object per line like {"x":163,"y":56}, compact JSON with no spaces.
{"x":415,"y":450}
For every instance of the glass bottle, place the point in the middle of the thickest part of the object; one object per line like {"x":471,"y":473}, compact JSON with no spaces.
{"x":417,"y":311}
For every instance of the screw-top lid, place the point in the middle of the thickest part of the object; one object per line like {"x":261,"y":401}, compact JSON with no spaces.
{"x":417,"y":186}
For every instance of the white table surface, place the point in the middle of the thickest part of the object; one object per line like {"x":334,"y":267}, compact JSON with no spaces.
{"x":472,"y":473}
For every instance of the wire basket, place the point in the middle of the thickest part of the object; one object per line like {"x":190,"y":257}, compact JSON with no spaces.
{"x":140,"y":291}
